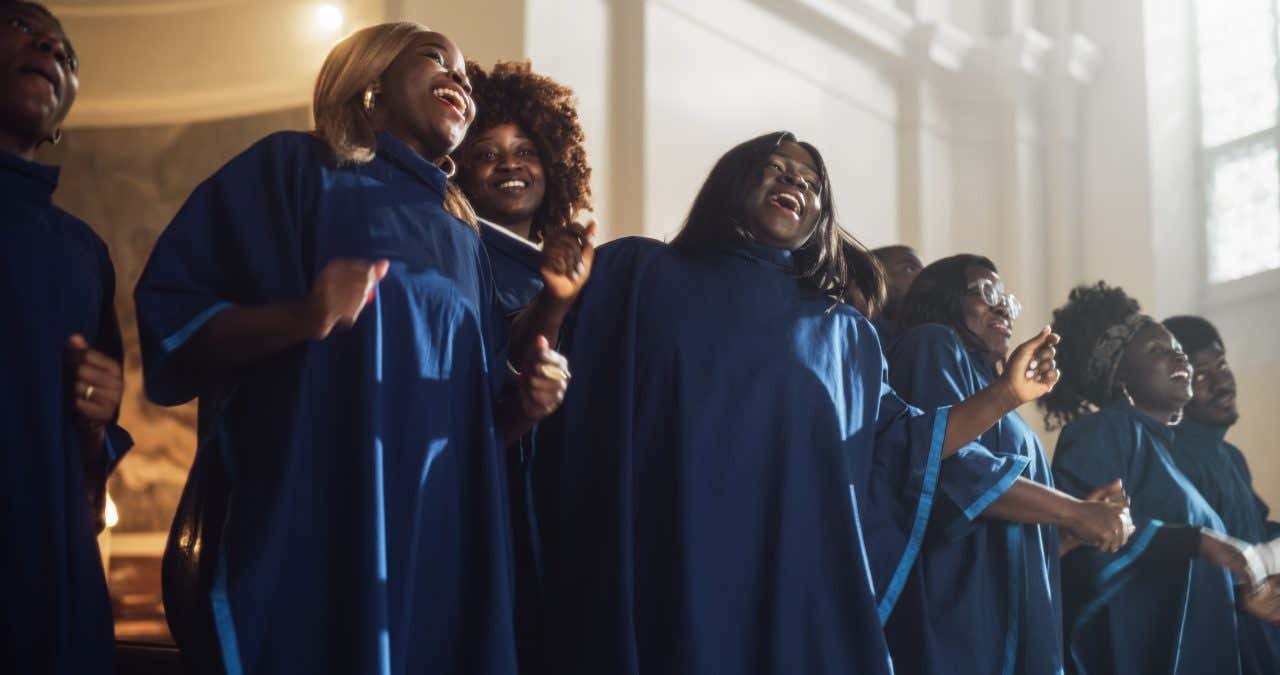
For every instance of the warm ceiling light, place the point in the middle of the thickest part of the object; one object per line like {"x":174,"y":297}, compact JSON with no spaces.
{"x":328,"y":18}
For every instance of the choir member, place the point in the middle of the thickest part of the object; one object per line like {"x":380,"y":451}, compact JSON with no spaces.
{"x":61,"y":381}
{"x":329,"y":300}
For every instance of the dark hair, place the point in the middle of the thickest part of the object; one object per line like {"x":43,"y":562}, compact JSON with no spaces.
{"x":832,"y":262}
{"x":510,"y":93}
{"x":1194,"y":332}
{"x":1089,"y":312}
{"x":883,"y":251}
{"x":938,"y":294}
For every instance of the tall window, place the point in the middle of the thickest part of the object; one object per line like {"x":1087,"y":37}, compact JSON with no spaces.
{"x":1238,"y":42}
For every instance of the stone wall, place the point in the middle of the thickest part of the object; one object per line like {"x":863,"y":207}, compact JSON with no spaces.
{"x":127,"y":183}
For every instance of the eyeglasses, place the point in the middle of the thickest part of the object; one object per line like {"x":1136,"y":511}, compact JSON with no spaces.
{"x":995,"y":296}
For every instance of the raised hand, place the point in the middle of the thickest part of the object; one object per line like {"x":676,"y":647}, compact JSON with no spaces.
{"x":567,"y":254}
{"x":543,"y":381}
{"x":97,"y":387}
{"x":1031,"y":371}
{"x":340,"y":293}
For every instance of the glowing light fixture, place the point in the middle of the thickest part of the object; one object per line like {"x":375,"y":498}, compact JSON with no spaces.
{"x":328,"y":17}
{"x":112,"y":516}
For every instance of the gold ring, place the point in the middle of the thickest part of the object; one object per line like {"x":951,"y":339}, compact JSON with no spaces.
{"x":553,"y":372}
{"x":88,"y":392}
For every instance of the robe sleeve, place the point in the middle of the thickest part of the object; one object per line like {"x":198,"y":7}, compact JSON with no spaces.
{"x":899,"y":501}
{"x":234,"y":242}
{"x":931,"y":368}
{"x":109,"y":342}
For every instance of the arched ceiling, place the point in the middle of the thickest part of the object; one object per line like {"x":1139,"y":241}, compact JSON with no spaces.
{"x":145,"y":62}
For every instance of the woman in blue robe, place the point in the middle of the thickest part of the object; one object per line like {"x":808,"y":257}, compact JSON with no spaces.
{"x":731,"y":485}
{"x":1220,"y":473}
{"x":60,"y":377}
{"x":1165,"y":603}
{"x":523,"y":166}
{"x":321,"y":296}
{"x":985,"y":592}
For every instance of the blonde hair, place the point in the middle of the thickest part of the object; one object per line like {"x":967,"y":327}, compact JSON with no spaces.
{"x":356,"y":62}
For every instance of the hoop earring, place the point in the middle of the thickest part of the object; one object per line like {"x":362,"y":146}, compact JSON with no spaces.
{"x":453,"y":167}
{"x":1176,"y":419}
{"x":369,"y":92}
{"x":57,"y":137}
{"x":1125,"y":391}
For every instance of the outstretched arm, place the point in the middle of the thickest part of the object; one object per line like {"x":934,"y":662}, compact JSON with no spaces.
{"x":1029,"y":373}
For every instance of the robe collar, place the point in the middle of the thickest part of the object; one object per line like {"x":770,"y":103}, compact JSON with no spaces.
{"x":1197,"y":434}
{"x":504,"y":233}
{"x":395,"y":151}
{"x":27,"y":180}
{"x":1150,"y":424}
{"x":778,"y":257}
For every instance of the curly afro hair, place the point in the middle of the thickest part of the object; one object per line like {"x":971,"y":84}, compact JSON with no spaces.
{"x":1089,"y":312}
{"x":510,"y":93}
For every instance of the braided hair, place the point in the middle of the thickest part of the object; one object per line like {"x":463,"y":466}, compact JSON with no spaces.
{"x":1089,"y":312}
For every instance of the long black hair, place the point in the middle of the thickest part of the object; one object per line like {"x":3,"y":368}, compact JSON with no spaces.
{"x":1089,"y":312}
{"x":832,"y":262}
{"x":938,"y":294}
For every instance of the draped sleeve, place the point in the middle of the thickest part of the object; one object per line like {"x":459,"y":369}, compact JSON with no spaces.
{"x":236,"y":240}
{"x":930,"y":367}
{"x":109,"y":342}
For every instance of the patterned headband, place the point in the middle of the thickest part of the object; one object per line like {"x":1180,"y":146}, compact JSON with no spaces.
{"x":1100,"y":375}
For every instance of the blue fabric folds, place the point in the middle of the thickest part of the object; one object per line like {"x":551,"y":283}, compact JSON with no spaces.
{"x":1220,"y":473}
{"x":985,"y":593}
{"x":1135,"y":611}
{"x":731,"y":486}
{"x":57,"y":279}
{"x":365,"y":526}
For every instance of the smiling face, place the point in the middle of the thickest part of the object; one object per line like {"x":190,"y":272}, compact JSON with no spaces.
{"x":992,"y":327}
{"x":1213,"y":388}
{"x":425,"y":97}
{"x":783,"y":209}
{"x":501,"y":172}
{"x":1156,"y":372}
{"x":38,"y":80}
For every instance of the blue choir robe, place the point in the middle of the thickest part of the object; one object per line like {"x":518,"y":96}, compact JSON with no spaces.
{"x":1141,"y":610}
{"x":517,"y":279}
{"x":887,"y":330}
{"x":1220,"y":473}
{"x":58,"y":280}
{"x":365,"y":526}
{"x":516,"y":263}
{"x":984,"y":593}
{"x":730,"y":486}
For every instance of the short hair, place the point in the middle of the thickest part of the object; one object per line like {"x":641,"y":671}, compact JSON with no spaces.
{"x":938,"y":293}
{"x":511,"y":93}
{"x":1193,"y":332}
{"x":1090,"y":310}
{"x":832,"y":262}
{"x":353,"y":64}
{"x":884,"y":251}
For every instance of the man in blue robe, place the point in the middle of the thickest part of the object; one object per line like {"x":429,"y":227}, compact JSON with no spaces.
{"x":901,"y":266}
{"x":60,"y":375}
{"x":1219,"y":470}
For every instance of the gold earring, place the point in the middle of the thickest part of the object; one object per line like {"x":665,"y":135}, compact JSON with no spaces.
{"x":369,"y":92}
{"x":453,"y":167}
{"x":1125,"y":390}
{"x":57,"y":137}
